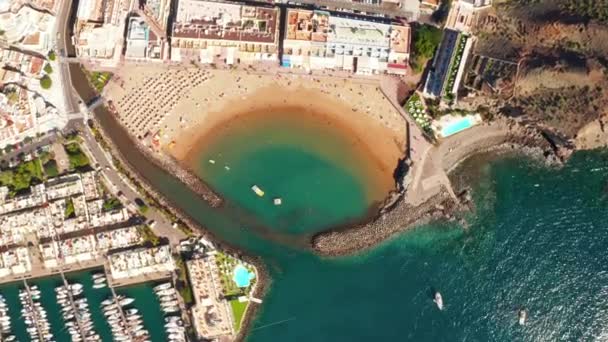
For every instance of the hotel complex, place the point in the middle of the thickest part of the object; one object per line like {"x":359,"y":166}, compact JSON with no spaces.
{"x":318,"y":40}
{"x":224,"y":32}
{"x":215,"y":32}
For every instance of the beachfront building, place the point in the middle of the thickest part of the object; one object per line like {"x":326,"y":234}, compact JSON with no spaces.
{"x":98,"y":30}
{"x":142,"y":43}
{"x":217,"y":32}
{"x":445,"y":76}
{"x":211,"y":312}
{"x":317,"y":40}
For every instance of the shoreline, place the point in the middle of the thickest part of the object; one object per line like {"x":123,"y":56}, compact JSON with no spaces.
{"x":398,"y":215}
{"x":264,"y":280}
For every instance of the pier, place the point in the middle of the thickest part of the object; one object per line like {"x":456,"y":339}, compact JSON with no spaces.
{"x":33,"y":310}
{"x":125,"y":322}
{"x":73,"y":304}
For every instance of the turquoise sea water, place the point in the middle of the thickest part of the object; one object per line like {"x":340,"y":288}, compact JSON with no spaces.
{"x":537,"y":240}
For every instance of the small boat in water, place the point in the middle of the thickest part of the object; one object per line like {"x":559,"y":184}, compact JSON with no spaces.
{"x":257,"y":190}
{"x":98,"y":275}
{"x":99,"y":280}
{"x":438,"y":300}
{"x":75,"y":287}
{"x":99,"y":286}
{"x":107,"y":302}
{"x":523,"y":315}
{"x":126,"y":301}
{"x":162,"y":286}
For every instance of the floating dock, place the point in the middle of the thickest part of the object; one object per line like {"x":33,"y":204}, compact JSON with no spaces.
{"x":257,"y":190}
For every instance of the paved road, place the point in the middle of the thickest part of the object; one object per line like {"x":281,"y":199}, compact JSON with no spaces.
{"x":163,"y":227}
{"x":63,"y":14}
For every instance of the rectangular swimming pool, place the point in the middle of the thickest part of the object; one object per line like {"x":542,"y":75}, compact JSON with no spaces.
{"x":457,"y":126}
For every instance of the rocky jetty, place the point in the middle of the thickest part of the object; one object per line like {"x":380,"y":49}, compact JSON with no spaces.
{"x":399,"y":217}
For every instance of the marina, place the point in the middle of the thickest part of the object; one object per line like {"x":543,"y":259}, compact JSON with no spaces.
{"x":70,"y":308}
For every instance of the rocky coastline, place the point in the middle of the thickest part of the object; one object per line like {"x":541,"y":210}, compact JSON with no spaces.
{"x":397,"y":215}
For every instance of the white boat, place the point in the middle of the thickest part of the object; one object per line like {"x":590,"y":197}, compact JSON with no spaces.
{"x":172,"y":319}
{"x":171,"y":303}
{"x":10,"y":338}
{"x":98,"y":275}
{"x":99,"y":280}
{"x":137,"y":327}
{"x":438,"y":300}
{"x":99,"y":286}
{"x":107,"y":302}
{"x":174,"y":336}
{"x":75,"y":286}
{"x":162,"y":286}
{"x":169,"y":309}
{"x":126,"y":301}
{"x":132,"y":311}
{"x":166,"y":292}
{"x":523,"y":315}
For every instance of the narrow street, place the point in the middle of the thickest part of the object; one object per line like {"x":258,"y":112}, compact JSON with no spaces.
{"x":162,"y":227}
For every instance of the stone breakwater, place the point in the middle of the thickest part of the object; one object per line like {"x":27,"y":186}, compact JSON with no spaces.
{"x":349,"y":240}
{"x":185,"y":175}
{"x":398,"y":215}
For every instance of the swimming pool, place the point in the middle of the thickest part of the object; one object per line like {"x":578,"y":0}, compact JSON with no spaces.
{"x":242,"y":276}
{"x":457,"y":126}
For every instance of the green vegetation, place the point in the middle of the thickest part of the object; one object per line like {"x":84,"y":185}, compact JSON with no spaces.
{"x":52,"y":55}
{"x":50,"y":168}
{"x":454,"y":65}
{"x":111,"y":203}
{"x":415,"y":107}
{"x":226,"y":265}
{"x":48,"y":68}
{"x":45,"y":82}
{"x":69,"y":209}
{"x":99,"y":79}
{"x":595,"y":10}
{"x":425,"y":42}
{"x":11,"y":95}
{"x":238,"y":311}
{"x":183,"y":284}
{"x":77,"y":158}
{"x":22,"y":176}
{"x":143,"y":208}
{"x":150,"y":239}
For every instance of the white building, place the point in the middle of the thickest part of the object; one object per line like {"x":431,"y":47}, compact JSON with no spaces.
{"x":212,"y":32}
{"x":315,"y":40}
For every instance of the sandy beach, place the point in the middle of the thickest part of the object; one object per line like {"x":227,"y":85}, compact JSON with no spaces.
{"x":178,"y":123}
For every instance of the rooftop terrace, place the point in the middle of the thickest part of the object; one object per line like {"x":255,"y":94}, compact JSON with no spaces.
{"x":198,"y":19}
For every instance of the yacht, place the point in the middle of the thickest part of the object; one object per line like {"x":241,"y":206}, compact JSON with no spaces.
{"x":438,"y":300}
{"x":163,"y":286}
{"x":99,"y":286}
{"x":523,"y":315}
{"x":126,"y":301}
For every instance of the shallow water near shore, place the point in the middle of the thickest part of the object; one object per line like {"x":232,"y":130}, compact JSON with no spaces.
{"x":538,"y":239}
{"x":322,"y":176}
